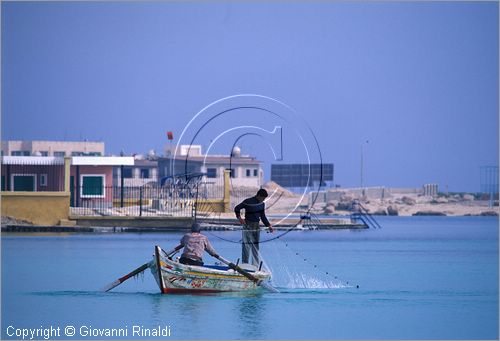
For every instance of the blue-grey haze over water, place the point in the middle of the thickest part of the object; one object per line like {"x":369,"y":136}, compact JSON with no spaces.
{"x":418,"y":277}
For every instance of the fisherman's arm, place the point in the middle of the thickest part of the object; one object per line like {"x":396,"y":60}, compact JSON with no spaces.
{"x":178,"y":247}
{"x":265,"y":221}
{"x":171,"y":252}
{"x":237,"y":210}
{"x":211,"y":251}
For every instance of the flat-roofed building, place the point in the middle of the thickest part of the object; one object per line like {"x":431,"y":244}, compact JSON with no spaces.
{"x":91,"y":177}
{"x":245,"y":170}
{"x":52,"y":148}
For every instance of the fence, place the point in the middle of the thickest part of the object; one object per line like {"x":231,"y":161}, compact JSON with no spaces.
{"x":130,"y":201}
{"x":238,"y":194}
{"x":175,"y":198}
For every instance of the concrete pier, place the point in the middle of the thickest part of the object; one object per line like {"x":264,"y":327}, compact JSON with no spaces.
{"x":174,"y":224}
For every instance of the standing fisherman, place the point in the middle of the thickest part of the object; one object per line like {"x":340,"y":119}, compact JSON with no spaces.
{"x":254,"y":211}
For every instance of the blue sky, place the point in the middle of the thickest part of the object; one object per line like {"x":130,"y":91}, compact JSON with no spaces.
{"x":419,"y":81}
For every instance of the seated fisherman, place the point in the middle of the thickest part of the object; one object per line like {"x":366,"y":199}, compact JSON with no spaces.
{"x":194,"y":243}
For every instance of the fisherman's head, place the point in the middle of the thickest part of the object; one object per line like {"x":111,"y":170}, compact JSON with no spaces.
{"x":195,"y":227}
{"x":261,"y":195}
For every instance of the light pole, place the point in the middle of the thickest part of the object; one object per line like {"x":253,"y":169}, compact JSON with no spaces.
{"x":362,"y":166}
{"x":170,"y":137}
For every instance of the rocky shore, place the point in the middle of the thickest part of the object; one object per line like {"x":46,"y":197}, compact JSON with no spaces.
{"x":417,"y":205}
{"x":390,"y":204}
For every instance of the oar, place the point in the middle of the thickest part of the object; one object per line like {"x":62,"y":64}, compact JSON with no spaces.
{"x":171,"y":252}
{"x":124,"y":278}
{"x":247,"y":275}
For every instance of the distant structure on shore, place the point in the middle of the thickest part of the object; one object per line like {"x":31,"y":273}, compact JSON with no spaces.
{"x":489,"y":183}
{"x":245,"y":170}
{"x":430,"y":190}
{"x":52,"y":148}
{"x":298,"y":176}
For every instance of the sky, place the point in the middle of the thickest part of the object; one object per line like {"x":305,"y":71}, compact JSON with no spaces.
{"x":412,"y":88}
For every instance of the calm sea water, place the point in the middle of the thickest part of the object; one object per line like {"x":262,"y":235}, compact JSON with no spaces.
{"x":418,"y":277}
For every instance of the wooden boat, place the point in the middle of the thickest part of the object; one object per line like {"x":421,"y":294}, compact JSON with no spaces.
{"x":174,"y":277}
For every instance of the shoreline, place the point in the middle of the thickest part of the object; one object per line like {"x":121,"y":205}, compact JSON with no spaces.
{"x":404,"y":205}
{"x":212,"y":226}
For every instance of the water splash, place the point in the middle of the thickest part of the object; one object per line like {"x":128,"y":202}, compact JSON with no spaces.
{"x":305,"y":281}
{"x":284,"y":278}
{"x":298,"y":277}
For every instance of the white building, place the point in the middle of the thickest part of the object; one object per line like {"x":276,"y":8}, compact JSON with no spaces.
{"x":245,"y":170}
{"x":52,"y":148}
{"x":142,"y":172}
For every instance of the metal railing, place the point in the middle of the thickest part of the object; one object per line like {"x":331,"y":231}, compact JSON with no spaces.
{"x":169,"y":199}
{"x":129,"y":201}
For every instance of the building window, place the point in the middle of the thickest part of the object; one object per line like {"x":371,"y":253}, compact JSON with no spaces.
{"x":60,"y":154}
{"x":144,"y":173}
{"x":92,"y":186}
{"x":77,"y":153}
{"x":249,"y":172}
{"x":44,"y":153}
{"x":211,"y":172}
{"x":127,"y":173}
{"x":3,"y":182}
{"x":232,"y":173}
{"x":255,"y":172}
{"x":23,"y":182}
{"x":43,"y":180}
{"x":20,"y":153}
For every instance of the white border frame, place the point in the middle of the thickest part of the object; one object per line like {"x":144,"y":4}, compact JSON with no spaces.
{"x":89,"y":196}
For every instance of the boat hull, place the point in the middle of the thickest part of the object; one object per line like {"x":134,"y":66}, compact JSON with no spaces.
{"x":173,"y":277}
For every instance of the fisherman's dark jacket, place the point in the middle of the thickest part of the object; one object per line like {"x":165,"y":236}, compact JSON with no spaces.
{"x":254,"y":210}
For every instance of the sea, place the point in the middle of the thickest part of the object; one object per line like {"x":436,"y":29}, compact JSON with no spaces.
{"x":415,"y":278}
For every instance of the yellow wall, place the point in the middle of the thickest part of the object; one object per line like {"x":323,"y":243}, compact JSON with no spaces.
{"x":39,"y":208}
{"x":210,"y":206}
{"x":217,"y":205}
{"x":226,"y":199}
